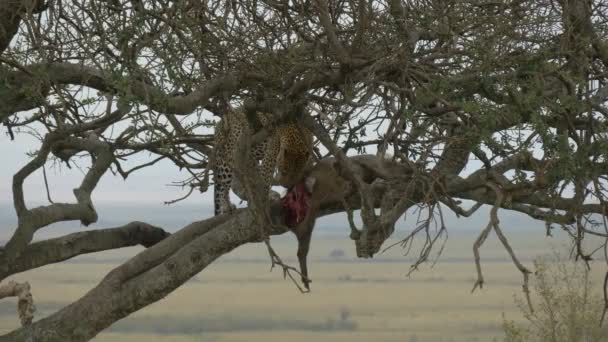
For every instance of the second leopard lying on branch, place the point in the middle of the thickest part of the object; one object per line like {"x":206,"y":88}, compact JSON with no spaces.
{"x":324,"y":189}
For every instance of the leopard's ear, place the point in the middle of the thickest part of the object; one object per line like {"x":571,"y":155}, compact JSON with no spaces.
{"x":310,"y":182}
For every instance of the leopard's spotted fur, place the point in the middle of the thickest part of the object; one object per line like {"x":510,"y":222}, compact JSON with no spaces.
{"x":288,"y":148}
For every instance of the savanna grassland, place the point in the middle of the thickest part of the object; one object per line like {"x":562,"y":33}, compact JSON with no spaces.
{"x":238,"y":299}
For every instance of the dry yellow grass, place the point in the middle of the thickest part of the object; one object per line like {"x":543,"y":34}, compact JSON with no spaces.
{"x":431,"y":305}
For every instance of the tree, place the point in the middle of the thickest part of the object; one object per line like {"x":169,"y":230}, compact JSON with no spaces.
{"x":459,"y":103}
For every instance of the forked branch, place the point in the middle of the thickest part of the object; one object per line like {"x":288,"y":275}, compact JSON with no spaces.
{"x":494,"y":224}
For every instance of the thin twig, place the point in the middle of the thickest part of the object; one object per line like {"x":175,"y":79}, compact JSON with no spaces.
{"x":275,"y":260}
{"x":478,"y":243}
{"x":524,"y":271}
{"x":46,"y":184}
{"x":9,"y":128}
{"x":484,"y":235}
{"x":181,"y":198}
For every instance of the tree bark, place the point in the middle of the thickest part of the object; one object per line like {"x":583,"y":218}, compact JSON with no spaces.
{"x":63,"y":248}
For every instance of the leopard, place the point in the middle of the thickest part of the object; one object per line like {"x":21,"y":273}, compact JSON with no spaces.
{"x":286,"y":151}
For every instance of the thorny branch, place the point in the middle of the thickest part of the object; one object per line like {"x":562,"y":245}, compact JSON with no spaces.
{"x":275,"y":260}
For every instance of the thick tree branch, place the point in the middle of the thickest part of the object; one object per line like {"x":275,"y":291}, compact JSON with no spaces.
{"x":30,"y":220}
{"x":155,"y":98}
{"x":63,"y":248}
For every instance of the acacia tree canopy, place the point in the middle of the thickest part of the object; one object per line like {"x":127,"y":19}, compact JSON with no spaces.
{"x":514,"y":91}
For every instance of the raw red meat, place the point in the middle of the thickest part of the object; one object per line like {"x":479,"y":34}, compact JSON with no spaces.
{"x":296,"y":201}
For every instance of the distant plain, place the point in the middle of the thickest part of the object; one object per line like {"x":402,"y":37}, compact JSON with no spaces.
{"x":238,"y":299}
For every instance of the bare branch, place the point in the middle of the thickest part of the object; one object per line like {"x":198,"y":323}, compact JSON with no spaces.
{"x":63,"y":248}
{"x":25,"y":301}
